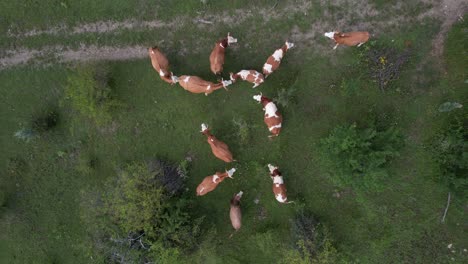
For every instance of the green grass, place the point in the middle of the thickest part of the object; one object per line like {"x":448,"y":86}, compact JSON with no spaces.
{"x":43,"y":193}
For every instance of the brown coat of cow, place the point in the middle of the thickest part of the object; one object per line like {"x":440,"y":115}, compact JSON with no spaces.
{"x":217,"y":54}
{"x":161,"y":65}
{"x":274,"y":61}
{"x":273,"y":119}
{"x":251,"y":76}
{"x":348,"y":39}
{"x":195,"y":84}
{"x":235,"y":213}
{"x":219,"y":148}
{"x":279,"y":188}
{"x":211,"y":182}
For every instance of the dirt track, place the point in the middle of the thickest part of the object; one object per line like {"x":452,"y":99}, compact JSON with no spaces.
{"x":448,"y":11}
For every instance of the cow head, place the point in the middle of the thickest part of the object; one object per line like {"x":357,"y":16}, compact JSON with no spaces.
{"x":233,"y":77}
{"x":204,"y":128}
{"x":153,"y":49}
{"x":258,"y":97}
{"x":230,"y":172}
{"x":289,"y":45}
{"x":272,"y":168}
{"x":230,"y":39}
{"x":239,"y":195}
{"x":226,"y":83}
{"x":331,"y":34}
{"x":174,"y":78}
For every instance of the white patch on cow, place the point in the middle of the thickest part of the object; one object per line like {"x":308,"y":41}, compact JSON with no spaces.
{"x":212,"y":140}
{"x":275,"y":126}
{"x":279,"y":197}
{"x":272,"y":168}
{"x":161,"y":73}
{"x":240,"y":194}
{"x":278,"y":55}
{"x":330,"y":35}
{"x":221,"y":45}
{"x":186,"y":79}
{"x":215,"y":177}
{"x":267,"y":68}
{"x":270,"y":110}
{"x":289,"y":45}
{"x":208,"y":87}
{"x":231,"y":39}
{"x":152,"y":52}
{"x":243,"y":74}
{"x":278,"y":180}
{"x":257,"y":97}
{"x":204,"y":127}
{"x":202,"y":189}
{"x":231,"y":172}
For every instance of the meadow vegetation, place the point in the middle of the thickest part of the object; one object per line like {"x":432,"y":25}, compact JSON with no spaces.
{"x":100,"y":161}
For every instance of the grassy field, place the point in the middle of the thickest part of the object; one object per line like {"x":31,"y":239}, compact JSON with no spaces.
{"x":46,"y":180}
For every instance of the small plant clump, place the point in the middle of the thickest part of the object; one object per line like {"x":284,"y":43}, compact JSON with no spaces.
{"x":384,"y":63}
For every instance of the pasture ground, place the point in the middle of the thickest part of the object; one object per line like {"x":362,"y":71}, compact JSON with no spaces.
{"x":43,"y":182}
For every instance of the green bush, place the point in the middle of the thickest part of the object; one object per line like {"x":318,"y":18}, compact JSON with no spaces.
{"x":89,"y":92}
{"x":312,"y":242}
{"x":357,"y":157}
{"x":450,"y":151}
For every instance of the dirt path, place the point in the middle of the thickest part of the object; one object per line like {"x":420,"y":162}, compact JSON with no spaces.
{"x":447,"y":11}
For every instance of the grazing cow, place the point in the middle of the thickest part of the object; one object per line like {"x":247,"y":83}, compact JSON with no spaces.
{"x":273,"y":62}
{"x":348,"y":39}
{"x":195,"y":84}
{"x":235,"y":213}
{"x":219,"y":148}
{"x":273,"y":118}
{"x":252,"y":76}
{"x":217,"y":54}
{"x":211,"y":182}
{"x":278,"y":185}
{"x":161,"y":65}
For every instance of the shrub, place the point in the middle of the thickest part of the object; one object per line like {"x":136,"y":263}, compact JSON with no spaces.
{"x":312,"y":244}
{"x":45,"y":122}
{"x":357,"y":157}
{"x":384,"y":63}
{"x":242,"y":130}
{"x":88,"y":91}
{"x":450,"y":151}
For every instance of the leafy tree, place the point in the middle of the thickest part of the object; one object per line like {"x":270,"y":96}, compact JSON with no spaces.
{"x":357,"y":157}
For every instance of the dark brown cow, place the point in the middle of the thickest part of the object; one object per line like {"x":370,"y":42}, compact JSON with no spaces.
{"x":195,"y":84}
{"x":211,"y":182}
{"x":235,"y":212}
{"x":273,"y":119}
{"x":274,"y":61}
{"x":348,"y":39}
{"x":279,"y":189}
{"x":217,"y":54}
{"x":161,"y":65}
{"x":251,"y":76}
{"x":219,"y":148}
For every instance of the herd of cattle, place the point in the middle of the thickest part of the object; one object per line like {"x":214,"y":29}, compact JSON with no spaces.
{"x":272,"y":117}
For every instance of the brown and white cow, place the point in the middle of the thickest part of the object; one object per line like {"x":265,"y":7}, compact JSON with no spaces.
{"x":217,"y":54}
{"x":211,"y":182}
{"x":251,"y":76}
{"x":235,"y":212}
{"x":273,"y":118}
{"x":279,"y":189}
{"x":161,"y":65}
{"x":219,"y":148}
{"x":348,"y":39}
{"x":273,"y":62}
{"x":195,"y":84}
